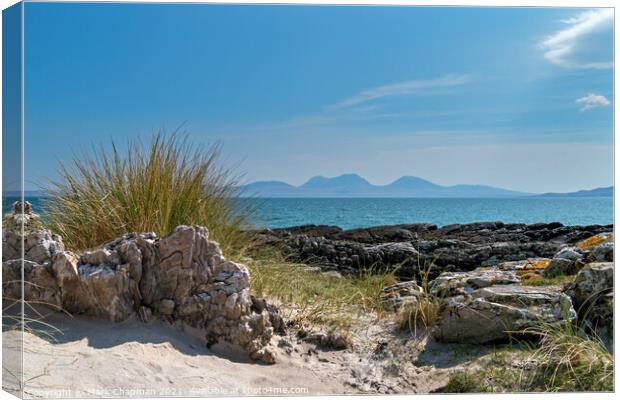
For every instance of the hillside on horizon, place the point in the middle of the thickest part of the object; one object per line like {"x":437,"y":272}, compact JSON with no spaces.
{"x":353,"y":185}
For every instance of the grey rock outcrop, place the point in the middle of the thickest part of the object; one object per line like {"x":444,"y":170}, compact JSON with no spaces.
{"x":592,"y":292}
{"x":569,"y":253}
{"x":399,"y":295}
{"x":450,"y":284}
{"x":39,"y":246}
{"x":457,"y":247}
{"x":183,"y":276}
{"x":350,"y":256}
{"x":602,"y":253}
{"x":562,"y":266}
{"x":498,"y":312}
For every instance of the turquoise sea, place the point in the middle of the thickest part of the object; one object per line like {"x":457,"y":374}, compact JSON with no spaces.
{"x":358,"y":212}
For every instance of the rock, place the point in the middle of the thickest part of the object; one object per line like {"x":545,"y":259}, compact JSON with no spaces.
{"x":39,"y":283}
{"x":331,"y":340}
{"x":450,"y":284}
{"x":569,"y":253}
{"x":593,"y":241}
{"x":259,"y":305}
{"x":383,"y":234}
{"x":562,"y":266}
{"x":602,"y":252}
{"x":350,"y":256}
{"x":332,"y":274}
{"x":76,"y":295}
{"x":522,"y":267}
{"x":39,"y":245}
{"x":183,"y":275}
{"x":594,"y":281}
{"x":495,"y":313}
{"x":21,"y":218}
{"x":460,"y":247}
{"x":395,"y":297}
{"x":166,"y":306}
{"x":110,"y":291}
{"x":145,"y":314}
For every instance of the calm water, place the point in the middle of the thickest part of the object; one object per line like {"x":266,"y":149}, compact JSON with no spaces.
{"x":356,"y":213}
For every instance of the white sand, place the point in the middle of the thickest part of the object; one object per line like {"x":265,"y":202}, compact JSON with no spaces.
{"x":94,"y":358}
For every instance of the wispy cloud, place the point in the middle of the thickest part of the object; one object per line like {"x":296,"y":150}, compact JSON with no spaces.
{"x":397,"y":89}
{"x":592,"y":101}
{"x":579,"y":46}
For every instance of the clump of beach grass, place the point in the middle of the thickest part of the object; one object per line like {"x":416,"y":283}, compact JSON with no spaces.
{"x":569,"y":358}
{"x":426,"y":310}
{"x":424,"y":313}
{"x":149,"y":186}
{"x":566,"y":358}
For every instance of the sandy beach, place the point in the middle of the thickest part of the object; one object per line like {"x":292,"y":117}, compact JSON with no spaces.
{"x":93,"y":358}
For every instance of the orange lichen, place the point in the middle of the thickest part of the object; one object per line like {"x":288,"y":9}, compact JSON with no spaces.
{"x":594,"y":241}
{"x":540,"y":264}
{"x":532,"y":267}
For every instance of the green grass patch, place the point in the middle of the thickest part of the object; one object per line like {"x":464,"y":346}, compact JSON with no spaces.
{"x":318,"y":298}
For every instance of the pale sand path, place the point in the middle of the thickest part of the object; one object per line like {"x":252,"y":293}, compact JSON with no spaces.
{"x":94,"y":358}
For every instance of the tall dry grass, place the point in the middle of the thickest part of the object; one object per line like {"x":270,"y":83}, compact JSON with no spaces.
{"x":152,"y":186}
{"x":317,"y":298}
{"x":426,"y":311}
{"x":569,"y":358}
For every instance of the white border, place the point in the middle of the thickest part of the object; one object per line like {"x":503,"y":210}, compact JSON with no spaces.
{"x":480,"y":3}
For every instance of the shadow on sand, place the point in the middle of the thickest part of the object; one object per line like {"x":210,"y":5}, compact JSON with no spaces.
{"x":58,"y":328}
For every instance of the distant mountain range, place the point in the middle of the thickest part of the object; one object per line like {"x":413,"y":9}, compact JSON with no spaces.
{"x":599,"y":192}
{"x":353,"y":185}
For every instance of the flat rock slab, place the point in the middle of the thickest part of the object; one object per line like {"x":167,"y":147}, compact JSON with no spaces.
{"x":459,"y":283}
{"x":498,"y":312}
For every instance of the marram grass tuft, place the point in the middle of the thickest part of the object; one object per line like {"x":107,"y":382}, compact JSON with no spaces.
{"x":154,"y":186}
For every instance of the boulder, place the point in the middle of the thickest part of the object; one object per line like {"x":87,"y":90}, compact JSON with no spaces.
{"x":595,"y":240}
{"x":39,"y":283}
{"x":182,"y":275}
{"x":39,"y":245}
{"x":450,"y":284}
{"x":110,"y":291}
{"x":603,"y":252}
{"x":594,"y":281}
{"x":562,"y":266}
{"x":496,"y":313}
{"x":331,"y":340}
{"x":350,"y":256}
{"x":395,"y":297}
{"x":569,"y":253}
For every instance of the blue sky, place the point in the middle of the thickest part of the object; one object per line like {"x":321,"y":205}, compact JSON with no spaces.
{"x":514,"y":97}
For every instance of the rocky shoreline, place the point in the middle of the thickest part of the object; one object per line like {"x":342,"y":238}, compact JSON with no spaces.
{"x":494,"y":280}
{"x":410,"y":248}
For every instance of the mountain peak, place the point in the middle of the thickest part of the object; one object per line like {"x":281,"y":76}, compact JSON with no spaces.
{"x":353,"y":185}
{"x":345,"y":181}
{"x":413,"y":182}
